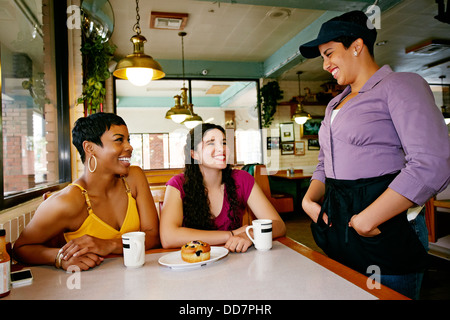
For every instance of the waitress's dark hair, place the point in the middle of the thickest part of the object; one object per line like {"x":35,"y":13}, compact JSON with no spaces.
{"x":91,"y":129}
{"x":196,"y":205}
{"x":357,"y":17}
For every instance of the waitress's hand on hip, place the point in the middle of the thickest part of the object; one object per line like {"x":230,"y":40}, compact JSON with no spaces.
{"x":357,"y":223}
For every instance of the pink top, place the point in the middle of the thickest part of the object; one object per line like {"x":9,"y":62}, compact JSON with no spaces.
{"x":244,"y":185}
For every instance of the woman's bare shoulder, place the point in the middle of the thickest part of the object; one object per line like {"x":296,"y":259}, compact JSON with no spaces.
{"x":136,"y":179}
{"x":67,"y":202}
{"x":135,"y":172}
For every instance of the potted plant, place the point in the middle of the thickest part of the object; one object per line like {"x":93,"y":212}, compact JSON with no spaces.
{"x":270,"y":93}
{"x":96,"y":56}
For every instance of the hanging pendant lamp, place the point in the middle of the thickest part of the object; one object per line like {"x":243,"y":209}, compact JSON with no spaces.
{"x":172,"y":110}
{"x":300,"y":116}
{"x":194,"y":120}
{"x":138,"y":67}
{"x":179,"y":112}
{"x":184,"y":113}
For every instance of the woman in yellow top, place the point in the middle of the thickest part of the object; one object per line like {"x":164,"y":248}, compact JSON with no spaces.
{"x":109,"y":199}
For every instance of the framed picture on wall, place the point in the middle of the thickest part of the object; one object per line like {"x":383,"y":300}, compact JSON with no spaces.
{"x":287,"y":132}
{"x":287,"y":148}
{"x":310,"y":129}
{"x":313,"y":144}
{"x":273,"y":143}
{"x":299,"y":148}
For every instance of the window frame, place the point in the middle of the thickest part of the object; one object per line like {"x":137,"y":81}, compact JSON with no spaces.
{"x":60,"y":46}
{"x":189,"y":81}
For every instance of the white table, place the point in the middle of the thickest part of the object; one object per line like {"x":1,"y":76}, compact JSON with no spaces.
{"x":283,"y":273}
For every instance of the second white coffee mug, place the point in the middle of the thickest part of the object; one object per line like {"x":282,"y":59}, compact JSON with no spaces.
{"x":133,"y":249}
{"x":262,"y":232}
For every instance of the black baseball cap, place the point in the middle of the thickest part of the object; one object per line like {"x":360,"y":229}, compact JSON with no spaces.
{"x":335,"y":28}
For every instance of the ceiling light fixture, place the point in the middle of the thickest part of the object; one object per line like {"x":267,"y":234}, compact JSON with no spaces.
{"x":183,"y":113}
{"x":138,"y":67}
{"x":178,"y":113}
{"x":168,"y":20}
{"x":194,"y":119}
{"x":429,"y":47}
{"x":300,"y":116}
{"x":279,"y":13}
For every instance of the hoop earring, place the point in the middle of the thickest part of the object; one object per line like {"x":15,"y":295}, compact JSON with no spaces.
{"x":89,"y":164}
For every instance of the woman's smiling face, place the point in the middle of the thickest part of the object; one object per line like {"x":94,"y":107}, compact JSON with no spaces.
{"x":212,"y":151}
{"x":116,"y":151}
{"x":338,"y":61}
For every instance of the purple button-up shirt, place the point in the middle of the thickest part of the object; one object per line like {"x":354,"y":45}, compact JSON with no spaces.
{"x":393,"y":124}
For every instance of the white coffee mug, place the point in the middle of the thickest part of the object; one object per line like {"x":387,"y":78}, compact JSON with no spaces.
{"x":262,"y":232}
{"x":133,"y":249}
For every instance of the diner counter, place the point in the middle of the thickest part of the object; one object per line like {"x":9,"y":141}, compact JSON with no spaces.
{"x":289,"y":271}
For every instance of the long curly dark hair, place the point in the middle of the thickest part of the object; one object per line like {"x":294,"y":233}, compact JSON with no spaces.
{"x":196,"y":205}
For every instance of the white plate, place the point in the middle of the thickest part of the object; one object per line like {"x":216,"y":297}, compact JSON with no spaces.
{"x":173,"y":260}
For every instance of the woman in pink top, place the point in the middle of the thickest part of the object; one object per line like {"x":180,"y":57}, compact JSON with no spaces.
{"x":208,"y":200}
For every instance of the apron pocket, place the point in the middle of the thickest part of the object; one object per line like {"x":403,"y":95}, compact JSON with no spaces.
{"x":320,"y":234}
{"x":396,"y":250}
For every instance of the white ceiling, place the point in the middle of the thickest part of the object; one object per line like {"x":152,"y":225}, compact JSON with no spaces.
{"x":231,"y":32}
{"x":243,"y":31}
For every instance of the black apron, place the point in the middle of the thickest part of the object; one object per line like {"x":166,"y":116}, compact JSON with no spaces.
{"x":396,"y":250}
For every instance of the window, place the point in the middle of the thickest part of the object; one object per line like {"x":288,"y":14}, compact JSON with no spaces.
{"x":144,"y":110}
{"x":158,"y":150}
{"x":35,"y":144}
{"x":247,"y":151}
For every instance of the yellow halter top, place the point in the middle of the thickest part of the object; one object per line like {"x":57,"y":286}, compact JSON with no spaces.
{"x":96,"y":227}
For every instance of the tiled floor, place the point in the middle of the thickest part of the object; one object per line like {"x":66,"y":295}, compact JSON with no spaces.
{"x":436,"y":283}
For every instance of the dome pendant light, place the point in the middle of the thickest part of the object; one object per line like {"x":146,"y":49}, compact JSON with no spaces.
{"x":300,"y":116}
{"x":179,"y":113}
{"x":138,"y":67}
{"x":183,"y":113}
{"x":194,"y":119}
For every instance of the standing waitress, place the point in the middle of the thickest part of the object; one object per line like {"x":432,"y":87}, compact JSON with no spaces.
{"x":384,"y":152}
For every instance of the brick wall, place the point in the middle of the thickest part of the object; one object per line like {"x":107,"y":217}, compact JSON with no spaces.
{"x":157,"y":151}
{"x":16,"y":167}
{"x":14,"y":220}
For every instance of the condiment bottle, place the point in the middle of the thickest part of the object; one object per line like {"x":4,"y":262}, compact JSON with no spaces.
{"x":5,"y":267}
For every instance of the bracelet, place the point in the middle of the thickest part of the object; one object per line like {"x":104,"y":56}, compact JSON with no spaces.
{"x":58,"y":259}
{"x":232,"y":234}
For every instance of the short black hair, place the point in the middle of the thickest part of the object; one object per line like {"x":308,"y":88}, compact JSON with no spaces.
{"x":91,"y":129}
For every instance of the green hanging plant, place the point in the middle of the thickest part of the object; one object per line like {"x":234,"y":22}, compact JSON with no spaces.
{"x":270,"y":93}
{"x":96,"y":56}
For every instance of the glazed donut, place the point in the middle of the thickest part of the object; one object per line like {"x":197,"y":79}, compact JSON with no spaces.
{"x":195,"y":251}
